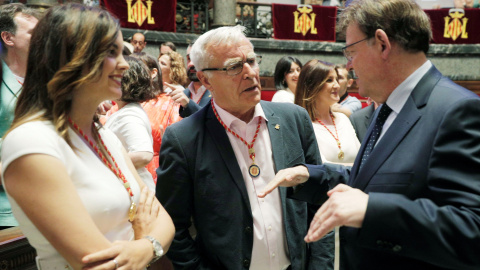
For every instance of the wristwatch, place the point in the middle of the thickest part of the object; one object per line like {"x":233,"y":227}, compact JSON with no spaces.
{"x":157,"y":248}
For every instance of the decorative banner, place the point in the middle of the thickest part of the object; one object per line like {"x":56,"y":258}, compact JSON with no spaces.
{"x":304,"y":22}
{"x":455,"y":26}
{"x":156,"y":15}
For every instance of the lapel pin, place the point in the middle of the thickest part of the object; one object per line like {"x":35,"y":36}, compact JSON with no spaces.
{"x":277,"y":126}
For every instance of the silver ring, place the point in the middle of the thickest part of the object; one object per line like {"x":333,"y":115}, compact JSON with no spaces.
{"x":116,"y":263}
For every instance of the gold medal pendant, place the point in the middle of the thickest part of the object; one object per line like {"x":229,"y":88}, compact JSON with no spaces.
{"x":111,"y":164}
{"x":254,"y":170}
{"x":132,"y":212}
{"x":341,"y":155}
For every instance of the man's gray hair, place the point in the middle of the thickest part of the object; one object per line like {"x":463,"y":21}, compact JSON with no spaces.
{"x":201,"y":49}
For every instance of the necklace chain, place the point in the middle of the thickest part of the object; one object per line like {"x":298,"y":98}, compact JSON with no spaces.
{"x":337,"y":138}
{"x":251,"y":150}
{"x":115,"y":170}
{"x":200,"y":99}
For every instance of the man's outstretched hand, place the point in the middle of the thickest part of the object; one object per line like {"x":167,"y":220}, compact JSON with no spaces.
{"x":287,"y":178}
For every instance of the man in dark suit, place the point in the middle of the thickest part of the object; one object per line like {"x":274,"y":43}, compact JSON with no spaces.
{"x":195,"y":96}
{"x":361,"y":120}
{"x":214,"y":163}
{"x":412,"y":199}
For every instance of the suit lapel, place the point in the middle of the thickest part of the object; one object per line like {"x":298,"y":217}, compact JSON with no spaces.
{"x":404,"y":121}
{"x":187,"y":93}
{"x":224,"y":148}
{"x":278,"y":147}
{"x":363,"y":144}
{"x":276,"y":137}
{"x":368,"y":115}
{"x":205,"y":98}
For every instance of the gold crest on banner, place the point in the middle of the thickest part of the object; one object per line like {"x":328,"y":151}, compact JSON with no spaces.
{"x":304,"y":20}
{"x":455,"y":24}
{"x":138,"y":13}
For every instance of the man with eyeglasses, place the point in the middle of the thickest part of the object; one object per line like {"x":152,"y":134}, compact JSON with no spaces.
{"x":138,"y":42}
{"x":214,"y":163}
{"x":412,"y":198}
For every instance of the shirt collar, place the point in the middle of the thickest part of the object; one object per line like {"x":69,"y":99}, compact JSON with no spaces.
{"x":190,"y":87}
{"x":399,"y":96}
{"x":228,"y":118}
{"x":201,"y":89}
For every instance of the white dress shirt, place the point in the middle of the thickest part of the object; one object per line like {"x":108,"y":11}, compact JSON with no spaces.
{"x":270,"y":249}
{"x":196,"y":96}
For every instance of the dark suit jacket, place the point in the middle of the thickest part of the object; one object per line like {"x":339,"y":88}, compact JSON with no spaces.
{"x":193,"y":107}
{"x":361,"y":120}
{"x":199,"y":176}
{"x":423,"y":181}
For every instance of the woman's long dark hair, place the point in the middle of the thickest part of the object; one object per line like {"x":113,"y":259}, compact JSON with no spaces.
{"x":283,"y":66}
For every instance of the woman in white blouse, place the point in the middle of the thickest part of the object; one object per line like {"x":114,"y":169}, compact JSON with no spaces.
{"x":286,"y":78}
{"x":72,"y":186}
{"x":317,"y":91}
{"x":130,"y":123}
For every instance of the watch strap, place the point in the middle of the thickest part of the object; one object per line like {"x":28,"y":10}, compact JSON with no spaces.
{"x":157,"y":248}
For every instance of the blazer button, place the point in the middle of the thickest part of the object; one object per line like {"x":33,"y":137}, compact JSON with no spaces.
{"x":248,"y":230}
{"x":397,"y":248}
{"x":246,"y":263}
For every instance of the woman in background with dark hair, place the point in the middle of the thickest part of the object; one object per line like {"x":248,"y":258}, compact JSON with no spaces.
{"x":154,"y":68}
{"x":72,"y":186}
{"x":130,"y":123}
{"x":286,"y":75}
{"x":162,"y":110}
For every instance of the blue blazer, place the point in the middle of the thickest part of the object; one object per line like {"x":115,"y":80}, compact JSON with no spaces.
{"x":193,"y":107}
{"x":199,"y":178}
{"x":361,"y":120}
{"x":423,"y":181}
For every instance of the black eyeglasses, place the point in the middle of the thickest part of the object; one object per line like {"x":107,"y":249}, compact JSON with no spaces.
{"x":236,"y":68}
{"x":347,"y":54}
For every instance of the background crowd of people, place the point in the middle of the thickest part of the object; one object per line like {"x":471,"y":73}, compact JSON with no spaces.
{"x":111,"y":157}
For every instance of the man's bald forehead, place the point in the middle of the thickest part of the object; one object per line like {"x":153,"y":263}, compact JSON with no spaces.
{"x":138,"y":36}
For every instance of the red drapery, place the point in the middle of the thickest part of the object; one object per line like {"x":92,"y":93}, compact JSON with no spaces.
{"x":156,"y":15}
{"x":455,"y":26}
{"x":304,"y":22}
